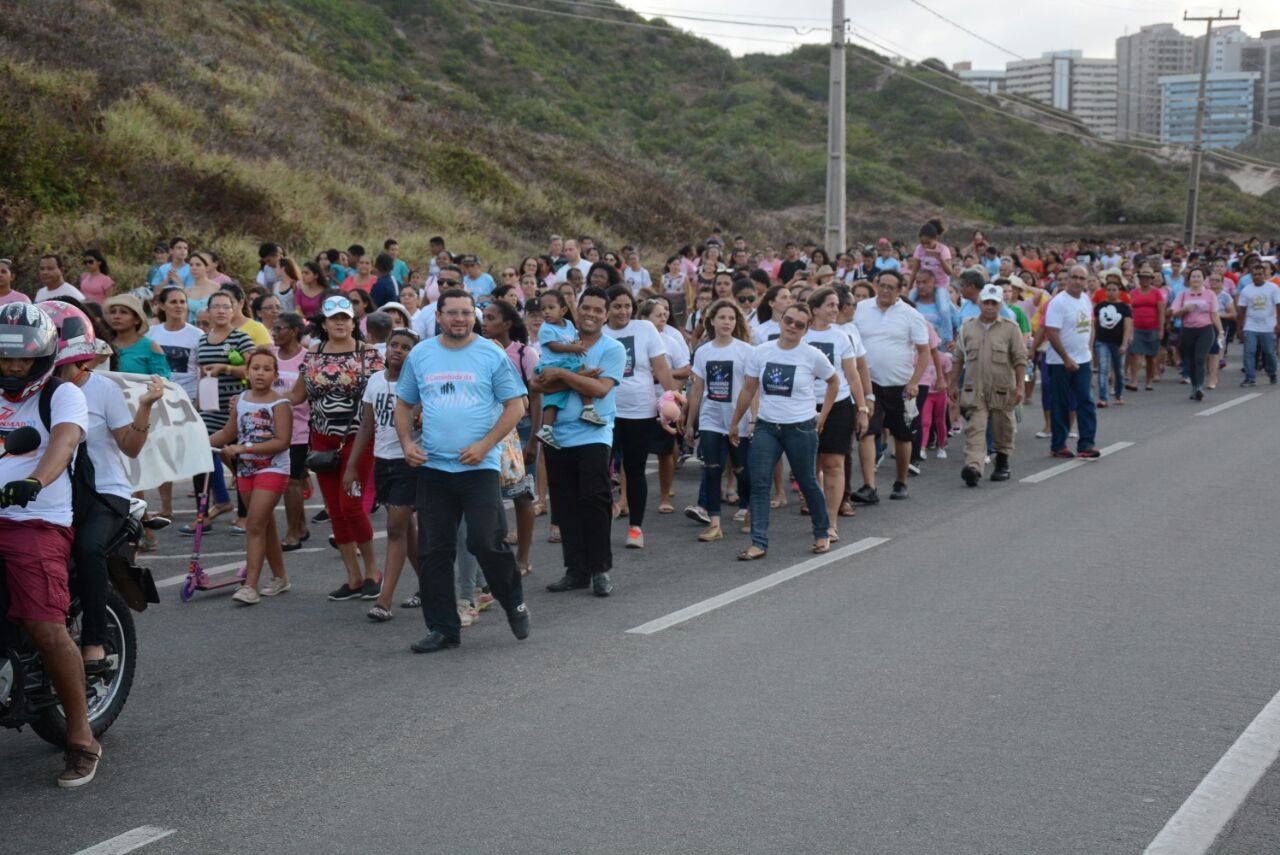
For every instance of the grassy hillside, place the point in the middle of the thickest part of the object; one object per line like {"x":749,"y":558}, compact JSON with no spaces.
{"x":316,"y":122}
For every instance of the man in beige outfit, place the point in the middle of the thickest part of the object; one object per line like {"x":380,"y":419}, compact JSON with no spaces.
{"x":991,"y":353}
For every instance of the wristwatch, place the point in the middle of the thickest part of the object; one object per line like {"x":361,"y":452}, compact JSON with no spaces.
{"x":870,"y":397}
{"x":864,"y":409}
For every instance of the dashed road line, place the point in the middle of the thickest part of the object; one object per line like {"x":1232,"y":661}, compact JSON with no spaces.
{"x":743,"y":591}
{"x":141,"y":836}
{"x":1046,"y":474}
{"x":1226,"y":405}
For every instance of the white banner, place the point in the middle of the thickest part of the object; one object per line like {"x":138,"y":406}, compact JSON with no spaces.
{"x":177,"y":446}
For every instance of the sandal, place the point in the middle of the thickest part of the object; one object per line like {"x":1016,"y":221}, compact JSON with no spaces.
{"x":833,"y":536}
{"x":665,"y":507}
{"x":821,"y":546}
{"x":1131,"y":387}
{"x":526,"y":569}
{"x":1150,"y":387}
{"x":539,"y":509}
{"x":779,"y":501}
{"x":749,"y":555}
{"x":554,"y":536}
{"x":217,"y":511}
{"x":847,"y":510}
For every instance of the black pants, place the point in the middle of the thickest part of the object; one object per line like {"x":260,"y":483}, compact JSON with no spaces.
{"x":443,"y":499}
{"x":634,"y":439}
{"x":1194,"y":346}
{"x":578,"y":478}
{"x":89,"y":550}
{"x":918,"y":439}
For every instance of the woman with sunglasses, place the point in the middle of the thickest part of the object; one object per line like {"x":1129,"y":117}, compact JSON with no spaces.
{"x":95,"y":283}
{"x":784,"y":374}
{"x":7,"y":294}
{"x":332,"y":381}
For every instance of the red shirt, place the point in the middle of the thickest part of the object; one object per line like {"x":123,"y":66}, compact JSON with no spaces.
{"x":1100,"y":296}
{"x":1146,"y":308}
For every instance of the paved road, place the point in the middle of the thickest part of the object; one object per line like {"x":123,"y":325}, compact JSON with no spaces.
{"x":1028,"y":667}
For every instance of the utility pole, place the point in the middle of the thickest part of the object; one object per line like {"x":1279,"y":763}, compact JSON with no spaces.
{"x":837,"y":104}
{"x":1197,"y":148}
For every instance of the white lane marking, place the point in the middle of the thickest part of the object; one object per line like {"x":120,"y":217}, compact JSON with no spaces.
{"x":129,"y":841}
{"x":148,"y":556}
{"x":743,"y":591}
{"x":1197,"y":824}
{"x":235,"y":565}
{"x":1226,"y":405}
{"x":1046,"y":474}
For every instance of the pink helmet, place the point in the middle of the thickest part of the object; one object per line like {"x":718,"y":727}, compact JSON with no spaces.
{"x":77,"y":342}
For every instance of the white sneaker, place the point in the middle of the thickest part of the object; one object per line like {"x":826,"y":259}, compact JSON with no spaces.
{"x":741,"y":515}
{"x":465,"y":617}
{"x":635,"y":538}
{"x":1074,"y":434}
{"x":942,"y":454}
{"x":1043,"y":434}
{"x":924,"y":454}
{"x":246,"y":596}
{"x":275,"y":586}
{"x":698,"y":514}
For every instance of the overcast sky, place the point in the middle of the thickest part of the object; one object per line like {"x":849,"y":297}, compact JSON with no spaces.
{"x":1025,"y":27}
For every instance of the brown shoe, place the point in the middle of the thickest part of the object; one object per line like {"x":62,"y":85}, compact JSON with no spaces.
{"x":81,"y":766}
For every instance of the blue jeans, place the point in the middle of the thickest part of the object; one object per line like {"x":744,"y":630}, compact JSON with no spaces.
{"x":716,"y":450}
{"x":1253,"y":341}
{"x":799,"y":442}
{"x":1063,"y":386}
{"x":1109,"y":363}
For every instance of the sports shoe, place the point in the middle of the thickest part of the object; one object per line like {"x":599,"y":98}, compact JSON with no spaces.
{"x":433,"y":643}
{"x":1243,"y":383}
{"x":1073,"y":434}
{"x":1065,"y":453}
{"x":955,"y":431}
{"x":546,"y":435}
{"x":321,"y":516}
{"x":275,"y":587}
{"x":741,"y":515}
{"x":483,"y":599}
{"x":414,"y":602}
{"x":635,"y":538}
{"x":1273,"y":379}
{"x":590,"y":416}
{"x":81,"y":765}
{"x":565,"y":583}
{"x":466,"y":616}
{"x":1043,"y":434}
{"x":970,"y":475}
{"x":865,"y":495}
{"x":518,"y":620}
{"x":698,"y":514}
{"x":246,"y":596}
{"x":942,"y":454}
{"x":345,"y":592}
{"x":369,"y":589}
{"x":1088,"y":454}
{"x":379,"y":614}
{"x":912,"y":469}
{"x":899,"y":491}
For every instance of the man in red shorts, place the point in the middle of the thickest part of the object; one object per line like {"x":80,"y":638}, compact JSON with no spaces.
{"x":35,"y":517}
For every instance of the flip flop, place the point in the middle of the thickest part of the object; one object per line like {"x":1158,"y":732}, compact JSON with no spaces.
{"x":821,"y":547}
{"x":748,"y":555}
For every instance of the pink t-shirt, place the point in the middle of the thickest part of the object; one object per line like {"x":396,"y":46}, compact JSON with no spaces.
{"x":524,"y":358}
{"x":929,"y":377}
{"x":14,"y":297}
{"x":934,"y":263}
{"x":96,"y":286}
{"x":289,"y":369}
{"x":1202,"y":307}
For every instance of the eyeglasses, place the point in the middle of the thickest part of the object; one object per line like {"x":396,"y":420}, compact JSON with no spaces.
{"x":746,"y":300}
{"x":796,"y":323}
{"x":456,"y":283}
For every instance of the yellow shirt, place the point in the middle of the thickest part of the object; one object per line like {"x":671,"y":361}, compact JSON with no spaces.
{"x":256,"y":332}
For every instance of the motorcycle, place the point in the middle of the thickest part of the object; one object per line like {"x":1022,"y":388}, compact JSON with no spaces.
{"x":27,"y":696}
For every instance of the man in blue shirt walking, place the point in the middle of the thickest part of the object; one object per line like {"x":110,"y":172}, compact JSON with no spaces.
{"x":471,"y":399}
{"x":578,"y":468}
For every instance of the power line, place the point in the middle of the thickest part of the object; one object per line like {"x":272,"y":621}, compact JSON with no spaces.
{"x":965,"y":29}
{"x":606,"y":4}
{"x":800,"y":31}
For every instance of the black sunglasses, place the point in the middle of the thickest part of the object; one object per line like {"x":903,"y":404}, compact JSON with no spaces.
{"x":747,"y":299}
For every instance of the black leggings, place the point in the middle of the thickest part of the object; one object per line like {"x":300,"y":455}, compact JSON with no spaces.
{"x":89,"y":551}
{"x":633,"y":438}
{"x":1194,"y":346}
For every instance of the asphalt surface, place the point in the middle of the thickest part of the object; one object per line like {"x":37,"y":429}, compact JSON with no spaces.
{"x":1021,"y":667}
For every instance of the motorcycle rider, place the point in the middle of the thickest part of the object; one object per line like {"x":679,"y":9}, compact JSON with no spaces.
{"x":35,"y":518}
{"x":111,"y":431}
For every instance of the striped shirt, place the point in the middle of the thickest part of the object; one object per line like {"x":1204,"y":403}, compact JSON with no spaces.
{"x":208,"y":353}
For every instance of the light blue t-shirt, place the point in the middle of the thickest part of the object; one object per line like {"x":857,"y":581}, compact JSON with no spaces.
{"x":993,"y":266}
{"x":481,"y":286}
{"x":941,"y":314}
{"x":549,"y":333}
{"x":970,"y":309}
{"x":462,"y":393}
{"x":400,"y":271}
{"x":610,"y":357}
{"x":886,"y":264}
{"x":162,"y":272}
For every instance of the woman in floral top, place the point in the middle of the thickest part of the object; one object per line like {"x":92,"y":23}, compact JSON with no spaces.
{"x":332,"y":381}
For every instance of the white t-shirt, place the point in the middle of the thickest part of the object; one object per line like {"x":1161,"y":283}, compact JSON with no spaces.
{"x":787,"y":381}
{"x":381,"y":395}
{"x":180,"y":348}
{"x":53,"y":505}
{"x":836,"y":347}
{"x":107,"y":412}
{"x":1259,"y":303}
{"x":636,"y":398}
{"x":677,"y":347}
{"x":66,"y":289}
{"x":890,"y":338}
{"x":562,"y":275}
{"x":766,"y":331}
{"x":637,"y":279}
{"x":722,"y":370}
{"x":1072,"y":317}
{"x":855,"y":338}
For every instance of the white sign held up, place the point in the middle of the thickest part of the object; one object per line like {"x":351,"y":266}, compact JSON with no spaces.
{"x":177,"y":446}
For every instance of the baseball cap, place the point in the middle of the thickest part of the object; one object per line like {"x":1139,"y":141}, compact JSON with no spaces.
{"x":991,"y":293}
{"x":338,"y":306}
{"x":825,"y":270}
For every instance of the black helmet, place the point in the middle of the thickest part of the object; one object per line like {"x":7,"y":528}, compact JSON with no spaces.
{"x":27,"y":333}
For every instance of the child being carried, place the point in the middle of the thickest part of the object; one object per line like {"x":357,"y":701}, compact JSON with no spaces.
{"x":558,"y":341}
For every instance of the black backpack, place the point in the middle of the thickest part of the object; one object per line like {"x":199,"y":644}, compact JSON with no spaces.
{"x":84,"y":485}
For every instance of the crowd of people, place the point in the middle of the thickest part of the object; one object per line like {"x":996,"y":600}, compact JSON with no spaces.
{"x":439,"y":389}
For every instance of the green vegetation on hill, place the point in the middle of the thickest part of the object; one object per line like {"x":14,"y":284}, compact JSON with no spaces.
{"x":316,"y":122}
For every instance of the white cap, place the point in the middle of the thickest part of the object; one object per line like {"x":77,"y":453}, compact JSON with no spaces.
{"x":991,"y":292}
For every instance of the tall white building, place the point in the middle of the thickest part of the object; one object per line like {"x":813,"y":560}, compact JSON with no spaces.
{"x":1260,"y":55}
{"x":1068,"y":81}
{"x":1141,"y":59}
{"x":988,"y":81}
